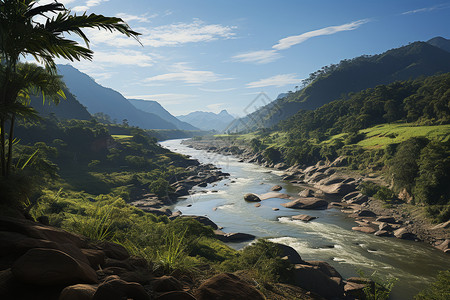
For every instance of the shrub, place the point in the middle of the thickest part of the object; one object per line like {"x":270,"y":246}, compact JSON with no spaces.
{"x":438,"y":290}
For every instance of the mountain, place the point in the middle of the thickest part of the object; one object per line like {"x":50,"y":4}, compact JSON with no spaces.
{"x":353,"y":75}
{"x":69,"y":108}
{"x":208,"y":120}
{"x":155,"y":108}
{"x":97,"y":98}
{"x":440,"y":42}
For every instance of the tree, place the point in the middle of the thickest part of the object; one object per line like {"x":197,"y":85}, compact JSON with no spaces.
{"x":40,"y":31}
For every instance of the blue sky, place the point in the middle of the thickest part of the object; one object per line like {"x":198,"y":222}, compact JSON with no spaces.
{"x":213,"y":55}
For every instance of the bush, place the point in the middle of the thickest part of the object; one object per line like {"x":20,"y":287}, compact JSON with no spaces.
{"x":438,"y":290}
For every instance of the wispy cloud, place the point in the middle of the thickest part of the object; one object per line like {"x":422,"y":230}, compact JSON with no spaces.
{"x":216,"y":90}
{"x":258,"y":57}
{"x":426,"y":9}
{"x":187,"y":75}
{"x":290,"y":41}
{"x":163,"y":36}
{"x":277,"y":80}
{"x":124,"y":57}
{"x":87,"y":5}
{"x":267,"y":56}
{"x":145,"y":18}
{"x":182,"y":33}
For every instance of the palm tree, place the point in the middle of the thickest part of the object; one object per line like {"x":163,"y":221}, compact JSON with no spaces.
{"x":23,"y":34}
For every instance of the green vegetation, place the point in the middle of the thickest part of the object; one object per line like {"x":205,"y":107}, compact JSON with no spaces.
{"x":22,"y":33}
{"x":380,"y":289}
{"x":438,"y":290}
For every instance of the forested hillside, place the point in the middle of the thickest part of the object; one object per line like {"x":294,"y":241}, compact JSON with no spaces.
{"x":352,"y":75}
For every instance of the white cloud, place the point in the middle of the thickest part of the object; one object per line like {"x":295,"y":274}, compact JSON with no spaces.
{"x":277,"y":80}
{"x":87,"y":5}
{"x":426,"y":9}
{"x":124,"y":57}
{"x":290,"y":41}
{"x":187,"y":75}
{"x":258,"y":57}
{"x":217,"y":90}
{"x":182,"y":33}
{"x":145,"y":18}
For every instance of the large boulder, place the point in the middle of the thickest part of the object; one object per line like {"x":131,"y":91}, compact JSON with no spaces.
{"x":203,"y":220}
{"x":233,"y":237}
{"x":114,"y":288}
{"x":306,"y":193}
{"x":404,"y":234}
{"x":289,"y":253}
{"x":276,"y":188}
{"x":250,"y":197}
{"x":307,"y":203}
{"x":227,"y":286}
{"x":41,"y":266}
{"x":325,"y":267}
{"x":113,"y":250}
{"x":78,"y":292}
{"x":339,"y":189}
{"x":304,"y":218}
{"x":365,"y":229}
{"x":311,"y":278}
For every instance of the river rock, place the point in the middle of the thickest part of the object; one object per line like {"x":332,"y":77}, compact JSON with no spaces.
{"x":444,"y":246}
{"x":289,"y":253}
{"x":311,"y":278}
{"x":276,"y":188}
{"x":339,"y":162}
{"x":306,"y":203}
{"x":404,"y":234}
{"x":251,"y":197}
{"x":365,"y":229}
{"x":358,"y":199}
{"x":280,"y":166}
{"x":305,"y":218}
{"x":175,"y":295}
{"x":366,"y":213}
{"x":201,"y":219}
{"x":233,"y":237}
{"x":115,"y":288}
{"x":325,"y":267}
{"x":78,"y":292}
{"x":227,"y":286}
{"x":306,"y":193}
{"x":51,"y":267}
{"x":383,"y":233}
{"x":441,"y":225}
{"x":166,"y":284}
{"x":338,"y":189}
{"x":257,"y":204}
{"x":386,"y":219}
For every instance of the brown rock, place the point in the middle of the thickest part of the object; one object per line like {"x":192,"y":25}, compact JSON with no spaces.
{"x":257,"y":204}
{"x":313,"y":279}
{"x":289,"y":253}
{"x":51,"y":267}
{"x":166,"y":284}
{"x":176,"y":295}
{"x":444,"y":246}
{"x":325,"y":267}
{"x":227,"y":286}
{"x":114,"y":288}
{"x":306,"y":203}
{"x":304,"y":218}
{"x":251,"y":197}
{"x":382,"y":233}
{"x":386,"y":219}
{"x":276,"y":188}
{"x":306,"y":193}
{"x":404,"y":234}
{"x":233,"y":237}
{"x":202,"y":220}
{"x":95,"y":257}
{"x":275,"y":209}
{"x":78,"y":292}
{"x":113,"y":250}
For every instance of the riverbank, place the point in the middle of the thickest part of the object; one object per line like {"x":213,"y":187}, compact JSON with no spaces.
{"x":339,"y":186}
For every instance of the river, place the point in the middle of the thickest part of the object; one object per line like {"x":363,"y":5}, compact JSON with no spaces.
{"x":328,"y":238}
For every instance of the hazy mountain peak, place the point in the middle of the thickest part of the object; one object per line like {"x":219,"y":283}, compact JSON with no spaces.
{"x":208,"y":120}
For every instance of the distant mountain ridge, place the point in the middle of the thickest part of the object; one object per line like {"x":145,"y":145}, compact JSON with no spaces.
{"x":97,"y":98}
{"x":208,"y":120}
{"x":154,"y":107}
{"x":407,"y":62}
{"x":440,"y":42}
{"x":69,"y":108}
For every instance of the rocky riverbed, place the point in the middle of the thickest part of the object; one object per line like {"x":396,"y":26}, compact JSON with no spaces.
{"x":330,"y":185}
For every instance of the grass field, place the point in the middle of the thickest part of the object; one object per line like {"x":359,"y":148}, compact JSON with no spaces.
{"x":381,"y":135}
{"x":121,"y":137}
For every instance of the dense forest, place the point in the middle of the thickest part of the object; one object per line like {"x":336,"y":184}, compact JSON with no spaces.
{"x":420,"y":165}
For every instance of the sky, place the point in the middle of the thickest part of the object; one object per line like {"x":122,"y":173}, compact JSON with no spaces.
{"x":211,"y":55}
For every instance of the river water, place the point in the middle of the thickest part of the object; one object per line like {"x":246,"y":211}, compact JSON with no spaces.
{"x":328,"y":238}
